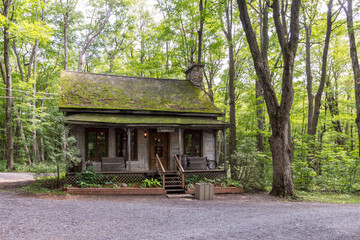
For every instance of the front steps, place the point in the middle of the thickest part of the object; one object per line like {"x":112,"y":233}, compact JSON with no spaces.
{"x":173,"y":183}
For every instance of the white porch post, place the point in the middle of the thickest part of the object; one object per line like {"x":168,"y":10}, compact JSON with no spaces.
{"x":129,"y":148}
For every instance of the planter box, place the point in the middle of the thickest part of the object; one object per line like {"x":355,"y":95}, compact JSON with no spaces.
{"x":116,"y":191}
{"x":221,"y":190}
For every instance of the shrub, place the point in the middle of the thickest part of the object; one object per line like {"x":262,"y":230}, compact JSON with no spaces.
{"x":89,"y":178}
{"x":150,"y":183}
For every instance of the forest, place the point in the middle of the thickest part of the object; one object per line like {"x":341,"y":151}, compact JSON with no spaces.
{"x":285,"y":73}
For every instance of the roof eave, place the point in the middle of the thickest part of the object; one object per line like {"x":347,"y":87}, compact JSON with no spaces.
{"x":142,"y":112}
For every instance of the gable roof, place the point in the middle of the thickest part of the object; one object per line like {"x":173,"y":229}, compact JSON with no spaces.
{"x":80,"y":90}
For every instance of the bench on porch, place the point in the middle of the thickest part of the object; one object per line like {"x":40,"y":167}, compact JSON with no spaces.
{"x":200,"y":163}
{"x":109,"y":164}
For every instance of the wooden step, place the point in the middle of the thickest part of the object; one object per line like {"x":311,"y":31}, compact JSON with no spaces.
{"x":175,"y":191}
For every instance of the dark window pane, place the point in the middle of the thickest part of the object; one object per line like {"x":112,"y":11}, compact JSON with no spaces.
{"x":196,"y":145}
{"x":133,"y":145}
{"x":101,"y":141}
{"x":188,"y":143}
{"x":121,"y":145}
{"x":91,"y":144}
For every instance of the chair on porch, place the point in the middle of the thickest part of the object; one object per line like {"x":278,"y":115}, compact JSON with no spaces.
{"x":200,"y":163}
{"x":110,"y":164}
{"x":196,"y":163}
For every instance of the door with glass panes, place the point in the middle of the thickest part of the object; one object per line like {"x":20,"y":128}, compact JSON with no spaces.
{"x":159,"y":146}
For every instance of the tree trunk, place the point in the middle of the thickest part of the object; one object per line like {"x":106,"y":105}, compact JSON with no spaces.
{"x":355,"y":63}
{"x":23,"y":139}
{"x":66,"y":49}
{"x":316,"y":114}
{"x":232,"y":135}
{"x":9,"y":98}
{"x":200,"y":31}
{"x":279,"y":114}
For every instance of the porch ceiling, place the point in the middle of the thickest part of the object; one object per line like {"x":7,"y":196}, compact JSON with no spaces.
{"x":144,"y":120}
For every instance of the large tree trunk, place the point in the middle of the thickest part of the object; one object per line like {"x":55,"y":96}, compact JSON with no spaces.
{"x":355,"y":63}
{"x":279,"y":114}
{"x":9,"y":99}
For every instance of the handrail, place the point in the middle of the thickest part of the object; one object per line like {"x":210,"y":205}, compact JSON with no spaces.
{"x":159,"y":167}
{"x":181,"y":170}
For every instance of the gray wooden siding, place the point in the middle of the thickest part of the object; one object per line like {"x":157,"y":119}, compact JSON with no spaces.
{"x":209,"y":145}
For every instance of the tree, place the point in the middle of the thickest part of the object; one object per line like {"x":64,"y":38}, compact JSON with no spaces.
{"x":98,"y":21}
{"x":354,"y":60}
{"x":315,"y":102}
{"x":6,"y":75}
{"x":228,"y":32}
{"x":279,"y":113}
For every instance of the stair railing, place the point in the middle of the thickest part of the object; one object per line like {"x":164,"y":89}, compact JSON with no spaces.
{"x":160,"y":168}
{"x":179,"y":169}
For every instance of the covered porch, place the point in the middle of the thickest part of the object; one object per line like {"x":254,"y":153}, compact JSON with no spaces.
{"x":125,"y":147}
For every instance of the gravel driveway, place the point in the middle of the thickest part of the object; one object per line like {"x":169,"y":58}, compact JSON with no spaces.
{"x":247,"y":216}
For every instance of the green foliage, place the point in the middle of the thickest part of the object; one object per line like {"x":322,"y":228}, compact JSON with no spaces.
{"x":251,"y":166}
{"x":150,"y":183}
{"x":328,"y":197}
{"x":46,"y":185}
{"x":89,"y":178}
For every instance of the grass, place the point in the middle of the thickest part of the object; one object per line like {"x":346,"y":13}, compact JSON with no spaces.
{"x":45,"y":185}
{"x":34,"y":168}
{"x":329,"y":197}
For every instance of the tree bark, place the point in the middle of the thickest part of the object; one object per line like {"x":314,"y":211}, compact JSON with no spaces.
{"x":279,"y":114}
{"x":22,"y":134}
{"x":9,"y":99}
{"x":232,"y":135}
{"x":317,"y":104}
{"x":66,"y":48}
{"x":200,"y":31}
{"x":355,"y":62}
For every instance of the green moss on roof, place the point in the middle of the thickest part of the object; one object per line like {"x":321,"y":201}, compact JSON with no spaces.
{"x":101,"y":91}
{"x":142,"y":119}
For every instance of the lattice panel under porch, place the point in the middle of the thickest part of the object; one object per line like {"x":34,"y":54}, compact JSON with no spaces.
{"x":206,"y":174}
{"x":114,"y":177}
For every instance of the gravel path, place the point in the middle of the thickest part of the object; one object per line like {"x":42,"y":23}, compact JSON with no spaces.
{"x":15,"y":177}
{"x":247,"y":216}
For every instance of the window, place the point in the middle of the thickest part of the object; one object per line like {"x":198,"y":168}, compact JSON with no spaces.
{"x":121,"y":144}
{"x":96,"y":143}
{"x":193,"y":143}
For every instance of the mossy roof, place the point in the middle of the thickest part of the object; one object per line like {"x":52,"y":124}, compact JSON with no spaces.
{"x":101,"y":91}
{"x":142,"y":119}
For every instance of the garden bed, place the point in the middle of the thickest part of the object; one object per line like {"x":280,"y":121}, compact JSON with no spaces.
{"x":221,"y":190}
{"x":116,"y":191}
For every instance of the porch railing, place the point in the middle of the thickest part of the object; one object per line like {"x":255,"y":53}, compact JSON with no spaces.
{"x":160,"y":168}
{"x":180,"y":169}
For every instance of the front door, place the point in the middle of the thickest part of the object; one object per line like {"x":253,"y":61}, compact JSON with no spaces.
{"x":159,"y":146}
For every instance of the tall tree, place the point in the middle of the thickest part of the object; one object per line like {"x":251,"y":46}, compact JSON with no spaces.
{"x":354,"y":59}
{"x":6,"y":74}
{"x":67,"y":8}
{"x":279,"y":113}
{"x":228,"y":32}
{"x":99,"y":18}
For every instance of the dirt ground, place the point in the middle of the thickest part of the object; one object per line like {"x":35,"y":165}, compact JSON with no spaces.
{"x":243,"y":216}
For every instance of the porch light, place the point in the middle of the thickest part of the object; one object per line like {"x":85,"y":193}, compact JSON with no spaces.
{"x":145,"y":134}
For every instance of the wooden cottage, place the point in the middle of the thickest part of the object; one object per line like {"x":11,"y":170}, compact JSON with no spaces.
{"x":137,"y":127}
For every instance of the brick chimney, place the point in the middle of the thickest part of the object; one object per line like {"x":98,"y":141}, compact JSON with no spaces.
{"x":195,"y":74}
